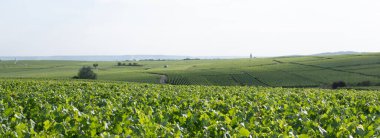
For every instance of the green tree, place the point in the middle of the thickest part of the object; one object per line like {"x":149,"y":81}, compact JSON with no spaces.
{"x":86,"y":73}
{"x":95,"y":65}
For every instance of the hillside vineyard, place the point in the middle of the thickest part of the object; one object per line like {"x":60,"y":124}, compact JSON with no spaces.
{"x":33,"y":108}
{"x":294,"y":72}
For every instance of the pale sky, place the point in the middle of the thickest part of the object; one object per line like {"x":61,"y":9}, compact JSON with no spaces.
{"x":187,"y":27}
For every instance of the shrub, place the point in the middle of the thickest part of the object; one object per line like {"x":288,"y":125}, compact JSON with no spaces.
{"x":86,"y":73}
{"x":338,"y":84}
{"x":364,"y":83}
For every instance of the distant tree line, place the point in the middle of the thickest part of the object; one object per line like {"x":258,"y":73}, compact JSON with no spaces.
{"x":192,"y":59}
{"x":154,"y":60}
{"x":129,"y":64}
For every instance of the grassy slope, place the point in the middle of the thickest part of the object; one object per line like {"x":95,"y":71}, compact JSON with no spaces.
{"x":309,"y":71}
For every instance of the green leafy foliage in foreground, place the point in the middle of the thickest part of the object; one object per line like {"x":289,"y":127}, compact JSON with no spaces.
{"x":77,"y":108}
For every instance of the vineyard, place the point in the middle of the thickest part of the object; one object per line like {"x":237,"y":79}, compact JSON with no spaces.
{"x":41,"y":108}
{"x":294,"y":72}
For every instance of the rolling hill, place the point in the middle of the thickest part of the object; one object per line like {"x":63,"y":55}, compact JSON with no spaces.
{"x":301,"y":71}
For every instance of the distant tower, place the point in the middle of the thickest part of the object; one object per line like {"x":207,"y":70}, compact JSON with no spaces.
{"x":250,"y":56}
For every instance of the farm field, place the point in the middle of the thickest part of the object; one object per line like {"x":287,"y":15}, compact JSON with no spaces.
{"x":302,"y":71}
{"x":189,"y":69}
{"x":56,"y":108}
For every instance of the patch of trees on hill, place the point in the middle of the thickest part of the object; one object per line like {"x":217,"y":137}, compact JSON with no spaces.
{"x":129,"y":64}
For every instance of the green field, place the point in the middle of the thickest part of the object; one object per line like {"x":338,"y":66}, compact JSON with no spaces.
{"x":302,"y":71}
{"x":48,"y":108}
{"x":209,"y":98}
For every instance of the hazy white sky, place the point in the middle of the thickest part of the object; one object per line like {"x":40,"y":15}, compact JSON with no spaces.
{"x":187,"y":27}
